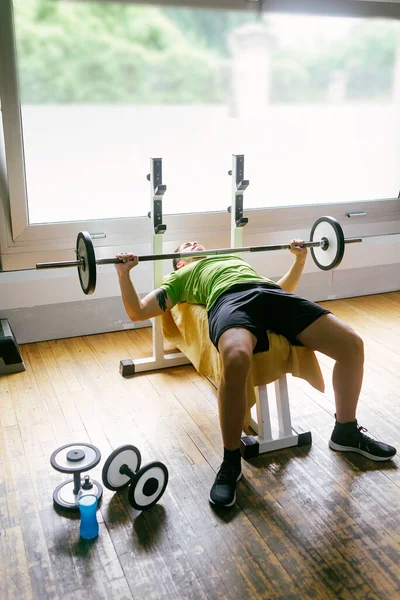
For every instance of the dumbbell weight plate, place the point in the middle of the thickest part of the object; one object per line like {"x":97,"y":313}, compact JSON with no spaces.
{"x":73,"y":458}
{"x":330,"y":229}
{"x":86,"y":272}
{"x":112,"y":477}
{"x":148,"y":486}
{"x":64,"y":497}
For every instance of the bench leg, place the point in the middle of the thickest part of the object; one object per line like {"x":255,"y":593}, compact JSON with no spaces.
{"x":159,"y":360}
{"x":264,"y":441}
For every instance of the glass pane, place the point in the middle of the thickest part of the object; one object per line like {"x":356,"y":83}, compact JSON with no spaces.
{"x":312,"y":102}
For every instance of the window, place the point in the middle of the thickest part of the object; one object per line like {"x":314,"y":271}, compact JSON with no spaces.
{"x":311,"y":101}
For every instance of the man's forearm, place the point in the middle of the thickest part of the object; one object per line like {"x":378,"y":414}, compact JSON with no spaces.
{"x":130,"y":298}
{"x":291,"y":279}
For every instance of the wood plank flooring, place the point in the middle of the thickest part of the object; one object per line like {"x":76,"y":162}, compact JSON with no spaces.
{"x":309,"y":523}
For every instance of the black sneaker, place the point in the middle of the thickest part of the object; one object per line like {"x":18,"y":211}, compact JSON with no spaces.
{"x":223,"y":491}
{"x":350,"y":437}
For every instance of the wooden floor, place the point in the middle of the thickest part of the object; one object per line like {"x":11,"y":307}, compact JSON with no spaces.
{"x":309,"y":523}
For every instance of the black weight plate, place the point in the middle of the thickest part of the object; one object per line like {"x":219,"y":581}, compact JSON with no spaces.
{"x":330,"y":229}
{"x":64,"y":497}
{"x":61,"y":462}
{"x":112,"y":477}
{"x":87,"y":272}
{"x":148,"y":485}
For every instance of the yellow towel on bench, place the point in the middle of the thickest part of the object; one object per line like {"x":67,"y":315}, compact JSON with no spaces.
{"x":186,"y":327}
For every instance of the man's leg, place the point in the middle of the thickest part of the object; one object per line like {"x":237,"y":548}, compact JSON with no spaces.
{"x":334,"y":338}
{"x":337,"y":340}
{"x":236,"y":349}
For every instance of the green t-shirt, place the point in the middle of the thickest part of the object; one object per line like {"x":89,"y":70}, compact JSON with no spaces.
{"x":202,"y":281}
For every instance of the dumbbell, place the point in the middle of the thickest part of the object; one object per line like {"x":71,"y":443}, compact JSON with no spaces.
{"x":147,"y":483}
{"x":75,"y":458}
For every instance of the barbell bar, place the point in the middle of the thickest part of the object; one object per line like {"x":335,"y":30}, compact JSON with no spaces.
{"x":327,"y":252}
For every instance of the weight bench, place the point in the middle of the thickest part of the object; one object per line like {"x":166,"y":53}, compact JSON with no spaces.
{"x":186,"y":327}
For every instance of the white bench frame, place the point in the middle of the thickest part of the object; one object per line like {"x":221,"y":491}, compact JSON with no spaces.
{"x":287,"y":436}
{"x":264,"y":441}
{"x":159,"y":360}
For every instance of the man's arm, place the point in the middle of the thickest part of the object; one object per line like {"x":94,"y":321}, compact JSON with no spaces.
{"x":154,"y":304}
{"x":289,"y":281}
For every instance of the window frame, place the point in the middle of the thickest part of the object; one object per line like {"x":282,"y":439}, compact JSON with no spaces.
{"x":339,"y":8}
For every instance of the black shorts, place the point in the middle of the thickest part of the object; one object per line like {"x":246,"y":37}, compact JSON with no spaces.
{"x":259,"y":308}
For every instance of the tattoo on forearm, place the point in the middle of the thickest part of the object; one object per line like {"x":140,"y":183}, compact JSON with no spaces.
{"x":161,"y":296}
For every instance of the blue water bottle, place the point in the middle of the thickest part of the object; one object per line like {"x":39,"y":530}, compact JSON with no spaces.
{"x":89,"y":527}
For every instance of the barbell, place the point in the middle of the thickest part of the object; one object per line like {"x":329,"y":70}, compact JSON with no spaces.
{"x":327,"y":244}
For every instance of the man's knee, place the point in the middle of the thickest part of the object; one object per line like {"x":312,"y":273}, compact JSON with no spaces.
{"x":236,"y":347}
{"x":353,"y":346}
{"x":236,"y":360}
